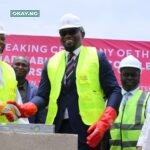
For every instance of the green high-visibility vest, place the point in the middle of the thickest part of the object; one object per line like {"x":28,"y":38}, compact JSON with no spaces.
{"x":8,"y":86}
{"x":127,"y":127}
{"x":91,"y":101}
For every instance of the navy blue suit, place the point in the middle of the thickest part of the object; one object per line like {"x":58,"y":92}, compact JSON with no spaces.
{"x":69,"y":98}
{"x":40,"y":116}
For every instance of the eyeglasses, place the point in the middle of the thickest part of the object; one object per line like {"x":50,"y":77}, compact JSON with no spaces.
{"x":71,"y":31}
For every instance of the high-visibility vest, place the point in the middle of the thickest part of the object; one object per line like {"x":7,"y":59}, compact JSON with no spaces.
{"x":127,"y":127}
{"x":8,"y":86}
{"x":89,"y":90}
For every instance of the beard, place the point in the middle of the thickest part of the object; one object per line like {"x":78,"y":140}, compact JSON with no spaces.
{"x":70,"y":48}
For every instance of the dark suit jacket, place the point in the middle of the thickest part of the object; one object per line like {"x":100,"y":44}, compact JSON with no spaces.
{"x":40,"y":116}
{"x":69,"y":97}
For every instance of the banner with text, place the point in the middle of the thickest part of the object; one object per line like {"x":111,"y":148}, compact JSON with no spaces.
{"x":41,"y":48}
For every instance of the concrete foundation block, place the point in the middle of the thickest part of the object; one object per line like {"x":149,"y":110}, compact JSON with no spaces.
{"x":15,"y":139}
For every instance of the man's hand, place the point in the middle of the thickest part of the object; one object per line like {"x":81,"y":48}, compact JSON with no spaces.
{"x":98,"y":129}
{"x":25,"y":110}
{"x":11,"y":112}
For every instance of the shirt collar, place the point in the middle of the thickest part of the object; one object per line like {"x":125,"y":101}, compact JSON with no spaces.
{"x":76,"y":52}
{"x":132,"y":91}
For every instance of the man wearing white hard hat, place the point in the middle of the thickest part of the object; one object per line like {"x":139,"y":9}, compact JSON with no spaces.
{"x":133,"y":109}
{"x":8,"y":86}
{"x":77,"y":82}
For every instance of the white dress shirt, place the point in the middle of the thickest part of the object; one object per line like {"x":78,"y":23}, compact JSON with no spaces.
{"x":76,"y":52}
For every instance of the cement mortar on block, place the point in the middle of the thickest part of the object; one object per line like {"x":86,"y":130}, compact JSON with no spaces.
{"x":37,"y":141}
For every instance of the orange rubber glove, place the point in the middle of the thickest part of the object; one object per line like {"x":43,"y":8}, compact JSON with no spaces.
{"x":10,"y":117}
{"x":26,"y":110}
{"x":98,"y":129}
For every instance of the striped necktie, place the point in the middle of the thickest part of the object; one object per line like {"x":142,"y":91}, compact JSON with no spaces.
{"x":70,"y":67}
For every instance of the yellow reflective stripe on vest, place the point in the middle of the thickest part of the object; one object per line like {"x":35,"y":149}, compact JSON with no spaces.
{"x":90,"y":93}
{"x":8,"y":87}
{"x":132,"y":120}
{"x":126,"y":145}
{"x":127,"y":126}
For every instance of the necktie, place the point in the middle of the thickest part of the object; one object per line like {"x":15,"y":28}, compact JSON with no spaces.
{"x":125,"y":99}
{"x":70,"y":67}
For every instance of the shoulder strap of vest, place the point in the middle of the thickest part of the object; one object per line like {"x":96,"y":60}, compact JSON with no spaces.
{"x":148,"y":98}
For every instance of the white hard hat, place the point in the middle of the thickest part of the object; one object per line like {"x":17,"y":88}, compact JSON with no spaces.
{"x":2,"y":31}
{"x":69,"y":21}
{"x":130,"y":61}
